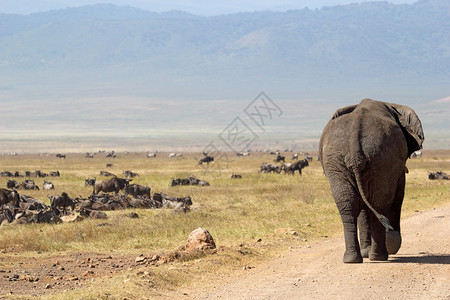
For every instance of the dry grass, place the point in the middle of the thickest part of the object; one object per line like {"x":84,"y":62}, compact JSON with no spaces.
{"x":236,"y":212}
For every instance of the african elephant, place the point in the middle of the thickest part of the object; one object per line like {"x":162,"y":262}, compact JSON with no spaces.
{"x":363,"y":151}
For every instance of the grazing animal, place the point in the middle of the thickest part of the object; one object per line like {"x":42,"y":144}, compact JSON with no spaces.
{"x":295,"y":156}
{"x":129,"y":174}
{"x":189,"y":181}
{"x":28,"y":184}
{"x":438,"y":175}
{"x":284,"y":167}
{"x":30,"y":203}
{"x":268,"y":168}
{"x":243,"y":153}
{"x":416,"y":154}
{"x":11,"y":184}
{"x":279,"y":158}
{"x":299,"y":165}
{"x":7,"y":196}
{"x":206,"y":159}
{"x":114,"y":184}
{"x":18,"y":174}
{"x":89,"y":181}
{"x":176,"y":202}
{"x":89,"y":155}
{"x":151,"y":155}
{"x":48,"y":185}
{"x":55,"y":174}
{"x":59,"y":155}
{"x":138,"y":190}
{"x":111,"y":154}
{"x":106,"y":173}
{"x":39,"y":173}
{"x":63,"y":201}
{"x":235,"y":176}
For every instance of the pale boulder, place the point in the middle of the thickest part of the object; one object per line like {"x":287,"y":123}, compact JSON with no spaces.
{"x":199,"y":239}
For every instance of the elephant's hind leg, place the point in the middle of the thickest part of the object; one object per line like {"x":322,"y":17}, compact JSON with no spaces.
{"x":378,"y":250}
{"x":352,"y":251}
{"x":364,"y":233}
{"x":347,"y":202}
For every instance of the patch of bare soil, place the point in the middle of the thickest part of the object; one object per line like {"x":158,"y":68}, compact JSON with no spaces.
{"x":40,"y":275}
{"x":420,"y":270}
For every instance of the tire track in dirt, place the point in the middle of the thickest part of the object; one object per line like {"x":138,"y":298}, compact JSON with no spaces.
{"x":420,"y":270}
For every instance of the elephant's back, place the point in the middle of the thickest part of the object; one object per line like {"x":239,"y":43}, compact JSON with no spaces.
{"x":368,"y":133}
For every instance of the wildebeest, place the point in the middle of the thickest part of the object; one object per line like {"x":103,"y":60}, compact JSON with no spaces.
{"x":89,"y":181}
{"x":237,"y":176}
{"x":114,"y":184}
{"x":55,"y":174}
{"x":176,"y":202}
{"x":268,"y":168}
{"x":138,"y":190}
{"x":284,"y":167}
{"x":299,"y":165}
{"x":38,"y":173}
{"x":30,"y":203}
{"x":175,"y":155}
{"x":18,"y":174}
{"x":438,"y":175}
{"x":247,"y":153}
{"x":12,"y":184}
{"x":279,"y":158}
{"x":106,"y":173}
{"x":7,"y":196}
{"x":61,"y":201}
{"x":59,"y":155}
{"x":129,"y":174}
{"x":206,"y":159}
{"x":28,"y":184}
{"x":189,"y":181}
{"x":6,"y":174}
{"x":48,"y":185}
{"x":202,"y":183}
{"x":416,"y":154}
{"x":6,"y":214}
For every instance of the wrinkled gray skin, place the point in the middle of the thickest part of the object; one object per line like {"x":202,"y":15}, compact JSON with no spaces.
{"x":363,"y":151}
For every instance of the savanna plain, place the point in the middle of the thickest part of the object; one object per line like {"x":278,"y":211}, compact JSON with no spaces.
{"x":252,"y":220}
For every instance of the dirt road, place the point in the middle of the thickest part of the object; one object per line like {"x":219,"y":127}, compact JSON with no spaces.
{"x":420,"y":270}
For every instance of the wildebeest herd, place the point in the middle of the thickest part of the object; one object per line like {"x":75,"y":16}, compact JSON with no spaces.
{"x":286,"y":168}
{"x":23,"y":209}
{"x":115,"y":193}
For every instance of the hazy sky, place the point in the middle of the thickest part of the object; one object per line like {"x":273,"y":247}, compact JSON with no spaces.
{"x":204,"y":7}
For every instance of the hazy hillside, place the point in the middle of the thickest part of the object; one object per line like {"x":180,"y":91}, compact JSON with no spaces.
{"x":342,"y":53}
{"x":367,"y":44}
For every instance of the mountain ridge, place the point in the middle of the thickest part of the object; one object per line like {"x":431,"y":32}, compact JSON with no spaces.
{"x":338,"y":55}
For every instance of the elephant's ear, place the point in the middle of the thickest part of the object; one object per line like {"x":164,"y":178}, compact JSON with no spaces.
{"x":409,"y":121}
{"x":343,"y":111}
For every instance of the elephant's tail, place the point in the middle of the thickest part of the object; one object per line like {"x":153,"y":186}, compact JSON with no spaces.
{"x":380,"y":217}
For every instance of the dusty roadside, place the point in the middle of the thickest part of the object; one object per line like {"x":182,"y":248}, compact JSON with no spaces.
{"x":420,"y":270}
